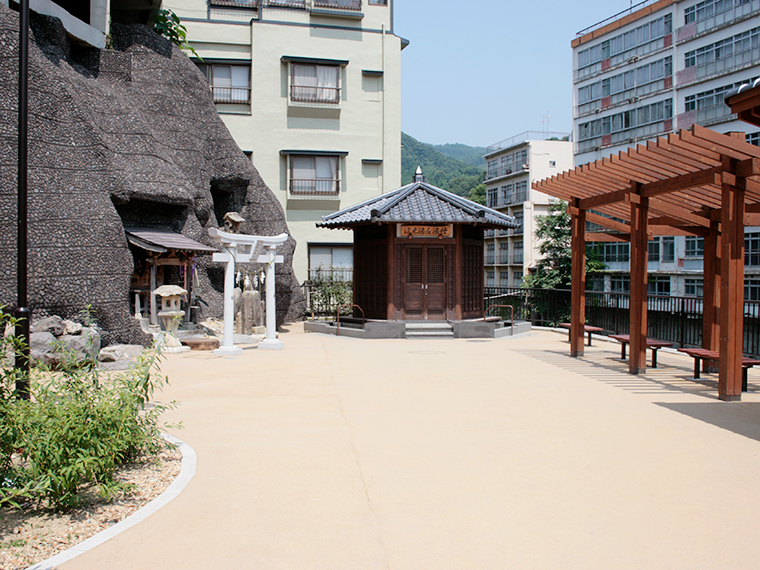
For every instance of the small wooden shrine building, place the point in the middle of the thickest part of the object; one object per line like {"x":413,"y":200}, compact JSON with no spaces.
{"x":418,"y":252}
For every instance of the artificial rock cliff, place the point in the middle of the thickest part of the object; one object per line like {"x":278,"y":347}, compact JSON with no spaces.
{"x":127,"y":136}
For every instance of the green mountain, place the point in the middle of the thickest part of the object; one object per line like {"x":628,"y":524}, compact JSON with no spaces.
{"x":442,"y":169}
{"x":472,"y":155}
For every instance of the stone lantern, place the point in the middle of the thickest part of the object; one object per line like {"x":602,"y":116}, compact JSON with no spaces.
{"x":232,"y":222}
{"x":170,"y":314}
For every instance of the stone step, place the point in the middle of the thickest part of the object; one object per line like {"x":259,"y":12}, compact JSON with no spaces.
{"x":429,"y":330}
{"x":429,"y":334}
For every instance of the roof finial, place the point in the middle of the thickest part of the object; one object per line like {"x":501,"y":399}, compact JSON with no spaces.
{"x":418,"y":177}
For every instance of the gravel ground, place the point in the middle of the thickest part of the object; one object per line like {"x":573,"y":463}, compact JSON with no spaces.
{"x":33,"y":534}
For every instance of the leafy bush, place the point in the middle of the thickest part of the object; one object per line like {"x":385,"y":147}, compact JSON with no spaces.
{"x":328,"y":290}
{"x":77,"y":428}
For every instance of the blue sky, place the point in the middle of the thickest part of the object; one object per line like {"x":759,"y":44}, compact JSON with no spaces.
{"x":480,"y":71}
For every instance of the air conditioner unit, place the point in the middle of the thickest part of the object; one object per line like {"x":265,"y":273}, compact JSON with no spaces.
{"x":597,"y":111}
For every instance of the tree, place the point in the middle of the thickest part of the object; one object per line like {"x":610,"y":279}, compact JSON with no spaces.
{"x":167,"y":24}
{"x":554,"y":232}
{"x":478,"y":194}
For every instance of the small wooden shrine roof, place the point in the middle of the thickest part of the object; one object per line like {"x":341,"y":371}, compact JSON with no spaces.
{"x":681,"y":174}
{"x":418,"y":202}
{"x":745,"y":102}
{"x":161,"y":241}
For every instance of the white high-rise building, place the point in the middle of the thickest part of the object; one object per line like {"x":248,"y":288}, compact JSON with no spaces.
{"x":657,"y":68}
{"x":311,"y":89}
{"x":512,"y":166}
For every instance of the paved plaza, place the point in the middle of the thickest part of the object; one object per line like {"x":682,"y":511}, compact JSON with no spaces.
{"x":507,"y":454}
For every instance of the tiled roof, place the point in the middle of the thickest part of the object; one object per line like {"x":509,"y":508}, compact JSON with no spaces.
{"x":418,"y":202}
{"x":161,"y":241}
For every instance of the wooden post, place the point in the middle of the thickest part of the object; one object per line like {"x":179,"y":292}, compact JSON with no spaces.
{"x":458,"y":270}
{"x":711,"y":296}
{"x":637,"y":361}
{"x":153,"y":287}
{"x":732,"y":290}
{"x":392,"y":269}
{"x":578,"y":287}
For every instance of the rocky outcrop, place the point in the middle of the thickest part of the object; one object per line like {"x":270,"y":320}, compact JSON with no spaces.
{"x":127,"y":136}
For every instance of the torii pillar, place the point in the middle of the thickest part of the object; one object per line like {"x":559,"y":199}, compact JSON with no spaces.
{"x":242,"y":248}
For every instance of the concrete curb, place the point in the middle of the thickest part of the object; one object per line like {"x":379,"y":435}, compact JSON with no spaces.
{"x":187,"y":471}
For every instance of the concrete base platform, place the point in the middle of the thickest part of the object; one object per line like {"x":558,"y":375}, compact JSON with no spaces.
{"x":398,"y":329}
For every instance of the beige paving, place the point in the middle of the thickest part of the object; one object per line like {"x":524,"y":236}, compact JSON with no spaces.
{"x":338,"y":453}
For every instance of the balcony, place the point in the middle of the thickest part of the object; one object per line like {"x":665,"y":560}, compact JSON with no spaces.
{"x":311,"y":94}
{"x":709,"y":23}
{"x":625,"y":137}
{"x":729,"y":63}
{"x":705,"y":116}
{"x":507,"y":170}
{"x":287,"y":3}
{"x":517,"y":259}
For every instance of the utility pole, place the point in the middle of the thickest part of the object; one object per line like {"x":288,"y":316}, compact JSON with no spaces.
{"x":23,"y":313}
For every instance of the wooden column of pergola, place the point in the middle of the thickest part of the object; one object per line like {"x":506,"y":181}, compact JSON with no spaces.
{"x":694,"y":183}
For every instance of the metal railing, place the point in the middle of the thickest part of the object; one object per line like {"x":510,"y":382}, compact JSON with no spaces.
{"x":314,"y":188}
{"x":287,"y":3}
{"x":672,"y":319}
{"x":337,"y":316}
{"x":231,"y":94}
{"x":339,"y":4}
{"x":527,"y":136}
{"x":511,"y":316}
{"x":235,"y":3}
{"x":507,"y":170}
{"x":311,"y":94}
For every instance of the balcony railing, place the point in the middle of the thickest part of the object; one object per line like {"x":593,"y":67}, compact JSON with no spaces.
{"x":704,"y":116}
{"x":507,"y":170}
{"x":338,"y":4}
{"x":626,"y":137}
{"x":312,"y":188}
{"x":518,"y":259}
{"x":311,"y":94}
{"x":527,"y":136}
{"x":235,"y":3}
{"x":734,"y":12}
{"x":287,"y":3}
{"x":231,"y":94}
{"x":720,"y":66}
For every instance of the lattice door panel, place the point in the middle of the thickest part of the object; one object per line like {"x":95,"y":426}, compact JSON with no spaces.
{"x":414,"y":265}
{"x":436,"y":265}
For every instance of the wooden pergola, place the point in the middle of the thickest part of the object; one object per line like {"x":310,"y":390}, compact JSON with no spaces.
{"x":694,"y":183}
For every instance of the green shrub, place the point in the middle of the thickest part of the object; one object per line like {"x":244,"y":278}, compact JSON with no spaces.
{"x":77,"y":428}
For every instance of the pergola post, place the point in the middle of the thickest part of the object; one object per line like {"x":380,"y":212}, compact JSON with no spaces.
{"x":711,"y":296}
{"x":637,"y":362}
{"x":578,"y":287}
{"x":732,"y":288}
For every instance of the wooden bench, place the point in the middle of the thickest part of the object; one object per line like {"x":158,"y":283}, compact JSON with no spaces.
{"x":586,"y":328}
{"x":700,"y":354}
{"x":655,"y":345}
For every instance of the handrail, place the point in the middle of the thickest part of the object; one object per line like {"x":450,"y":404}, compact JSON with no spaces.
{"x":511,"y":318}
{"x":337,"y":331}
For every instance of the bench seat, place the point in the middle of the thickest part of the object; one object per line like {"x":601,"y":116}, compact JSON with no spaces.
{"x":700,"y":354}
{"x":586,"y":328}
{"x":654,"y":345}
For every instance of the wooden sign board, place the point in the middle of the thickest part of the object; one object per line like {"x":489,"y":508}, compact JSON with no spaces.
{"x":425,"y":231}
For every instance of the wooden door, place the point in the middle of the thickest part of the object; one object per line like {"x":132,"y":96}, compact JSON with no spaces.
{"x":425,"y":282}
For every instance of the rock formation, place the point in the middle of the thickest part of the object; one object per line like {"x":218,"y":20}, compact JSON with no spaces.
{"x":127,"y":136}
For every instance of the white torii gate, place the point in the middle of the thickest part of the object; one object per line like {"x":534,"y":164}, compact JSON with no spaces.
{"x":244,"y":248}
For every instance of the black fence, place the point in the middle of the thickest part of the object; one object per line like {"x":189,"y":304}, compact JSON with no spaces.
{"x":671,"y":319}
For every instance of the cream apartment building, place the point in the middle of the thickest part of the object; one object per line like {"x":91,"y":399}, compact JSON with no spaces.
{"x":311,"y":90}
{"x":512,"y":166}
{"x":657,"y":68}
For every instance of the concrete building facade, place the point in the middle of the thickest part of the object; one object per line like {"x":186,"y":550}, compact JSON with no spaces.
{"x":310,"y":89}
{"x":657,"y":68}
{"x":512,"y":165}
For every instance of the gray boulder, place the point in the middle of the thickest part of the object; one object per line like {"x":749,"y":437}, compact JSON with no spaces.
{"x":118,"y":352}
{"x":53,"y":325}
{"x":42,"y":349}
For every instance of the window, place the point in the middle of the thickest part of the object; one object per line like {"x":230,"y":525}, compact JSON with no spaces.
{"x":229,"y":83}
{"x":236,"y":3}
{"x":723,"y":49}
{"x":668,"y":249}
{"x":752,"y":249}
{"x":378,"y":2}
{"x":753,"y":138}
{"x":615,"y":252}
{"x":521,"y":192}
{"x":752,"y":289}
{"x":504,"y":252}
{"x":595,"y":284}
{"x":313,"y":83}
{"x":490,"y":253}
{"x":621,"y":284}
{"x":518,"y":278}
{"x":694,"y":288}
{"x":653,"y":250}
{"x":517,"y":256}
{"x":490,"y":279}
{"x":519,"y":220}
{"x":341,"y":4}
{"x":504,"y":278}
{"x":314,"y":175}
{"x":659,"y":285}
{"x":331,"y":261}
{"x":695,"y":246}
{"x":492,"y":197}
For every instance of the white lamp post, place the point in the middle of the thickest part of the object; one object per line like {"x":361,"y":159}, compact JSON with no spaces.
{"x":243,"y":248}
